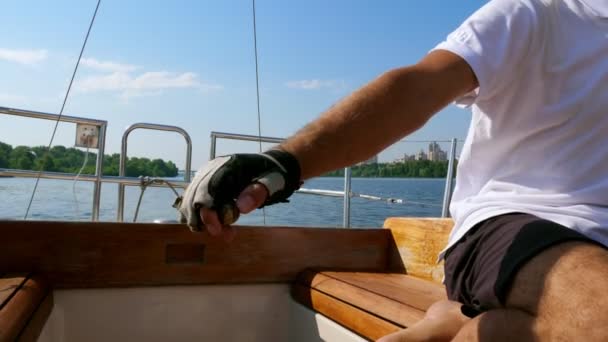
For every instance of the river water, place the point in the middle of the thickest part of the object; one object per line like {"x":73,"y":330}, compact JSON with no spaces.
{"x":55,"y":200}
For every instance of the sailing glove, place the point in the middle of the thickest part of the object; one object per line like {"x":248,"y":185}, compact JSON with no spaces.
{"x":218,"y":183}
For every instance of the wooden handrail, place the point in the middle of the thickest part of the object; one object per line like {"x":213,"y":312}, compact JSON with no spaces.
{"x":417,"y":244}
{"x":370,"y":304}
{"x":20,"y":304}
{"x":85,"y":254}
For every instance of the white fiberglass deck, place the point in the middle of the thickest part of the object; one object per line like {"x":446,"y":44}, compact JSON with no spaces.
{"x":187,"y":313}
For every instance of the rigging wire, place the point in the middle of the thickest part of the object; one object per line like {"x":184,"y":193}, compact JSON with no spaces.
{"x":257,"y":86}
{"x":145,"y":182}
{"x":84,"y":164}
{"x":65,"y":99}
{"x":389,"y":200}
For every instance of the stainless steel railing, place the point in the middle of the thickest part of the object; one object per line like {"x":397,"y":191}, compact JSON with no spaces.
{"x":123,"y":158}
{"x":347,"y":192}
{"x":241,"y":137}
{"x":98,"y":178}
{"x":128,"y":181}
{"x":347,"y":171}
{"x":103,"y":125}
{"x":449,"y":181}
{"x":123,"y":181}
{"x":449,"y":184}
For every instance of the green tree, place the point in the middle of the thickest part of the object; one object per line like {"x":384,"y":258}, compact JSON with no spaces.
{"x":44,"y":163}
{"x":5,"y":153}
{"x":71,"y":160}
{"x":22,"y":158}
{"x":158,"y":167}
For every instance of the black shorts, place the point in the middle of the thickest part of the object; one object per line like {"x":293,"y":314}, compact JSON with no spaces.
{"x":481,"y":266}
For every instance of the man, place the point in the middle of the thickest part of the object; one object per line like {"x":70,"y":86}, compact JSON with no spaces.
{"x":526,"y":258}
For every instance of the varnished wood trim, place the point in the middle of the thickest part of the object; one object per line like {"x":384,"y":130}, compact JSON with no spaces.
{"x":19,"y":309}
{"x":84,"y":254}
{"x":34,"y":327}
{"x":9,"y":284}
{"x":405,"y":289}
{"x":185,"y":253}
{"x":376,"y":303}
{"x":351,"y":298}
{"x":417,"y":244}
{"x":357,"y":320}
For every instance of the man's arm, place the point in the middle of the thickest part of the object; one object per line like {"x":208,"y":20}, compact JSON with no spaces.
{"x":372,"y":118}
{"x":394,"y":105}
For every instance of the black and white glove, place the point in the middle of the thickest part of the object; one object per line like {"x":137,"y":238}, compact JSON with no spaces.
{"x":218,"y":183}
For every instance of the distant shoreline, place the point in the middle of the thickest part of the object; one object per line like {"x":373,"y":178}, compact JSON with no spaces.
{"x":403,"y":169}
{"x":72,"y":160}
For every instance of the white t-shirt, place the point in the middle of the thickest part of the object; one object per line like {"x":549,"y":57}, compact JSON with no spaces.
{"x":538,"y":140}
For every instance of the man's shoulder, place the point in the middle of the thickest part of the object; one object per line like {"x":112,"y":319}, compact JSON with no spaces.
{"x":516,"y":7}
{"x":508,"y":15}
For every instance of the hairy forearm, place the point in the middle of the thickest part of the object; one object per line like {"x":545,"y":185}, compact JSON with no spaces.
{"x":390,"y":107}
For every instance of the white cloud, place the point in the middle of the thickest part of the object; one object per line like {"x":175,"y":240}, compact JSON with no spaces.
{"x":315,"y":84}
{"x":107,"y":66}
{"x":146,"y":84}
{"x":164,"y":79}
{"x":26,"y":57}
{"x":123,"y":79}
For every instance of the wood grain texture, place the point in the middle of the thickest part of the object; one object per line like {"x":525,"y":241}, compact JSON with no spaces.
{"x":17,"y":312}
{"x":359,"y":321}
{"x":361,"y":301}
{"x":9,"y":284}
{"x":401,"y":288}
{"x":418,"y":244}
{"x":374,"y":302}
{"x":185,"y":253}
{"x":84,"y":254}
{"x":34,"y":327}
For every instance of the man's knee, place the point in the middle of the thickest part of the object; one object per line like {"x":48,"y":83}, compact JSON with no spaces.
{"x":502,"y":325}
{"x":564,"y":287}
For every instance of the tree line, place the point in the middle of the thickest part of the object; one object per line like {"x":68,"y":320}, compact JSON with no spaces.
{"x":62,"y":159}
{"x":406,"y":169}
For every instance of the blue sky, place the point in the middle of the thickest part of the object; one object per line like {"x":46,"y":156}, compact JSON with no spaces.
{"x":190,"y":64}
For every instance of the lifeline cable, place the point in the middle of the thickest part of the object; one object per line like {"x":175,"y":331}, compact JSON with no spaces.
{"x":257,"y":88}
{"x":84,"y":164}
{"x":65,"y":99}
{"x":145,"y":182}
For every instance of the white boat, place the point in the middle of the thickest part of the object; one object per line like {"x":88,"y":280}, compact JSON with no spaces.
{"x":93,"y":281}
{"x":116,"y":281}
{"x":113,"y":281}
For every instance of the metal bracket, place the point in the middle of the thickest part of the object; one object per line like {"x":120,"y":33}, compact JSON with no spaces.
{"x":87,"y":136}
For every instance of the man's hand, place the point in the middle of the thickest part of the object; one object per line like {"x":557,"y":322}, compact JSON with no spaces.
{"x":239,"y":183}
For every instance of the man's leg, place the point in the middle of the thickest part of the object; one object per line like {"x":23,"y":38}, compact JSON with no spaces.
{"x":559,"y":295}
{"x":441,"y":322}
